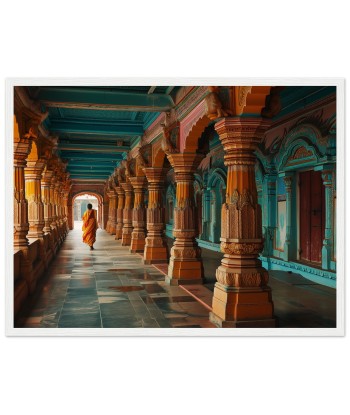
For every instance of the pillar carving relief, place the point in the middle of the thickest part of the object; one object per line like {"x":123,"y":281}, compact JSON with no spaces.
{"x":32,"y":174}
{"x":127,"y":213}
{"x":242,"y":297}
{"x":112,"y":210}
{"x":156,"y":250}
{"x":138,"y":234}
{"x":46,"y":199}
{"x":185,"y":265}
{"x":22,"y":148}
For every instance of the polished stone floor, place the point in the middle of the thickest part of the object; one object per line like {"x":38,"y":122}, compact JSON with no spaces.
{"x":111,"y":288}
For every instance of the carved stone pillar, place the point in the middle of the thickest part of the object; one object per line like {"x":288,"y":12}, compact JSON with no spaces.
{"x":138,"y":234}
{"x":65,"y":211}
{"x":21,"y":224}
{"x":120,"y":210}
{"x":53,"y":204}
{"x":185,"y":265}
{"x":127,"y":213}
{"x":156,"y":249}
{"x":112,"y":211}
{"x":58,"y":202}
{"x":109,"y":211}
{"x":32,"y":174}
{"x":327,"y":249}
{"x":241,"y":295}
{"x":46,"y":199}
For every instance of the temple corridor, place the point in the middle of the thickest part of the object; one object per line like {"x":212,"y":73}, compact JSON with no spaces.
{"x":112,"y":288}
{"x":216,"y":206}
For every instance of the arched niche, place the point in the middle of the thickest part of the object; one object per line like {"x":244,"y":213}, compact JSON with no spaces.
{"x":300,"y":153}
{"x":217,"y":191}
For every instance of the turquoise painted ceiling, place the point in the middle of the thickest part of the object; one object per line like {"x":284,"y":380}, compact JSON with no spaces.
{"x":97,"y":126}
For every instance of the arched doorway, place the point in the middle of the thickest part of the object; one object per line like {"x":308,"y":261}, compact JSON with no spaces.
{"x":79,"y":206}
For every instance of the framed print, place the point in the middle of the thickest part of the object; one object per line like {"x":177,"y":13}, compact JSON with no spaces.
{"x":166,"y":207}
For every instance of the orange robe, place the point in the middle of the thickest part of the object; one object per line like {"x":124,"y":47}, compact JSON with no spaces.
{"x":89,"y":227}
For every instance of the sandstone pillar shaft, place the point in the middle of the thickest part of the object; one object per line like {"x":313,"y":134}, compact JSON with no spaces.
{"x":138,"y":234}
{"x":46,"y":199}
{"x":185,"y":265}
{"x":53,"y":204}
{"x":127,"y":213}
{"x":156,"y":249}
{"x":112,"y":211}
{"x":120,"y":210}
{"x":32,"y":174}
{"x":21,"y":224}
{"x":241,"y":295}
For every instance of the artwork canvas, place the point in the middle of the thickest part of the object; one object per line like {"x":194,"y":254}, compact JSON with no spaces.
{"x":167,"y":207}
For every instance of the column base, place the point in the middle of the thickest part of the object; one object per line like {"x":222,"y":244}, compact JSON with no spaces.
{"x":137,"y":246}
{"x":181,"y":281}
{"x":155,"y":255}
{"x":241,"y":324}
{"x":242,"y":307}
{"x":118,"y":233}
{"x":184,"y":272}
{"x":126,"y":239}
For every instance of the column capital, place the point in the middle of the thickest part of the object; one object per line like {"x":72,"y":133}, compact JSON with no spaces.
{"x":287,"y":177}
{"x":138,"y":182}
{"x":185,"y":162}
{"x":126,"y":186}
{"x":242,"y":128}
{"x":155,"y":174}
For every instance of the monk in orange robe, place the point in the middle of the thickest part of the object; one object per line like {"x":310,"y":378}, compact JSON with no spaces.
{"x":89,"y":226}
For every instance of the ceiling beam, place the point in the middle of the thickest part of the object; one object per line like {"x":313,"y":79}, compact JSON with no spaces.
{"x":64,"y":126}
{"x":72,"y":155}
{"x":86,"y":148}
{"x":90,"y":98}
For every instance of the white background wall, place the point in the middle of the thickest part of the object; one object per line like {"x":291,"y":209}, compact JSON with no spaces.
{"x":172,"y":375}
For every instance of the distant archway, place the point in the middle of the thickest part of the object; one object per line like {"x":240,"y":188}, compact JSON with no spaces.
{"x":78,"y":209}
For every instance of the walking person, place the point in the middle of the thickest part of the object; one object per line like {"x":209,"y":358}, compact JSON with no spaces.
{"x":89,"y":226}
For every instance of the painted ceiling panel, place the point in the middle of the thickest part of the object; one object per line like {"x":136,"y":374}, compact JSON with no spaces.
{"x":97,"y":126}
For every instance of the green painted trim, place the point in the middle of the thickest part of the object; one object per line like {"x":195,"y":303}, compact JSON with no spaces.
{"x":317,"y":275}
{"x":208,"y":245}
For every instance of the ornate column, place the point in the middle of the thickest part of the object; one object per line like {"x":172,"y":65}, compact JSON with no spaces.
{"x":288,"y":179}
{"x":32,"y":174}
{"x":327,"y":249}
{"x":65,"y":211}
{"x":120,"y":210}
{"x":127,"y":213}
{"x":22,"y":146}
{"x":241,"y":295}
{"x":138,"y":234}
{"x":112,"y":211}
{"x":57,"y":189}
{"x":185,"y":265}
{"x":156,"y":249}
{"x":45,"y":196}
{"x":53,"y":203}
{"x":107,"y":192}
